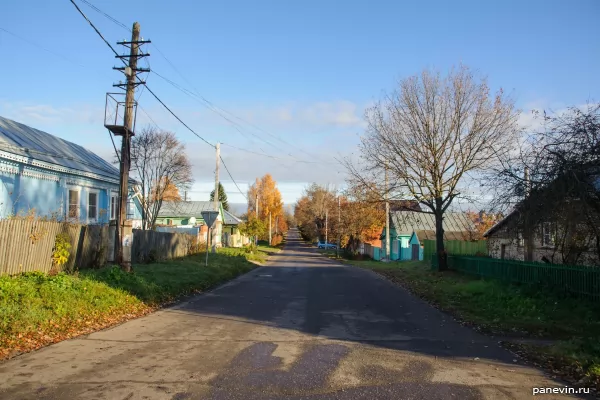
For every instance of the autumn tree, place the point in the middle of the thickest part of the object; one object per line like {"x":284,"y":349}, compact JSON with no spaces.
{"x":363,"y":217}
{"x":162,"y":168}
{"x":430,"y":134}
{"x":270,"y":203}
{"x":311,"y":211}
{"x":170,"y":192}
{"x":354,"y":216}
{"x":483,"y":221}
{"x":222,"y":197}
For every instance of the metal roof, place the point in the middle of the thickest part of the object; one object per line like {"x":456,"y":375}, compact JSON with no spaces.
{"x":22,"y":140}
{"x":185,"y":209}
{"x":455,"y":224}
{"x":231,"y":219}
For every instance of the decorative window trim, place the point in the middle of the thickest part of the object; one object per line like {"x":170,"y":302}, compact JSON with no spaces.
{"x":54,"y":167}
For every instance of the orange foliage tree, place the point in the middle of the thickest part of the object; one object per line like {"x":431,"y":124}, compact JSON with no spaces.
{"x":353,"y":217}
{"x":269,"y":203}
{"x":483,"y":221}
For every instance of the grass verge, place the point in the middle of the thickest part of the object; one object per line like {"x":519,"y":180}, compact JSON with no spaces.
{"x":37,"y":309}
{"x":557,"y":333}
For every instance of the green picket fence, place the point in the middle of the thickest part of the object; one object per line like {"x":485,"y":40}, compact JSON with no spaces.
{"x":457,"y":247}
{"x":577,"y":280}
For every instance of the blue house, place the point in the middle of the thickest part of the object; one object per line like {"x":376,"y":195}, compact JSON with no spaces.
{"x":408,"y":230}
{"x":45,"y":175}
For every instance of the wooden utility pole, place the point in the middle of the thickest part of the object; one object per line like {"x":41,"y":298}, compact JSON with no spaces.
{"x":269,"y":229}
{"x":256,"y":238}
{"x":339,"y":242}
{"x":216,"y":197}
{"x":126,"y":147}
{"x":387,"y":217}
{"x":326,"y":242}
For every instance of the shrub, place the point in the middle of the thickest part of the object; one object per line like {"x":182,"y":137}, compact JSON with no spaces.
{"x":276,"y":239}
{"x":60,"y":253}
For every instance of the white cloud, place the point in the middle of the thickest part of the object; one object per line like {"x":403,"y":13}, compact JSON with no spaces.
{"x":323,"y":114}
{"x":41,"y":115}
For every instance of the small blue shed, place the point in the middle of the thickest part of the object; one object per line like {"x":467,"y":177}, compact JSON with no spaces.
{"x":49,"y":176}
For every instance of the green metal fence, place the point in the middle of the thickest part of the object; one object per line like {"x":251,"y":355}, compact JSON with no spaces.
{"x":578,"y":280}
{"x":458,"y":247}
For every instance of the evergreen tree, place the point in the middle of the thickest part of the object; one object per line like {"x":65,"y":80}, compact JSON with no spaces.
{"x":222,"y":197}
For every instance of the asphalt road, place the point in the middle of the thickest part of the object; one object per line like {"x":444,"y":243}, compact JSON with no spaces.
{"x":303,"y":327}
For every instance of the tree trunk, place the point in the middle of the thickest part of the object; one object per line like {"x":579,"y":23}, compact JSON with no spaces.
{"x":439,"y":241}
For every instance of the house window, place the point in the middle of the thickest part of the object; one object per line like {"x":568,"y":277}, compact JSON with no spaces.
{"x":113,"y":206}
{"x":520,"y":240}
{"x":92,"y":206}
{"x":130,"y":209}
{"x":73,"y":211}
{"x":547,"y":234}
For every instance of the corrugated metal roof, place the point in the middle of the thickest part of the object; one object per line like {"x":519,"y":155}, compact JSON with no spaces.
{"x":185,"y":209}
{"x":20,"y":139}
{"x":231,"y":219}
{"x":455,"y":224}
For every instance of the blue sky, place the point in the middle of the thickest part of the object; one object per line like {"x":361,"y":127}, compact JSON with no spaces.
{"x":302,"y":71}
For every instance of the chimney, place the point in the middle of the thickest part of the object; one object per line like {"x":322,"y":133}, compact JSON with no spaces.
{"x":185,"y":195}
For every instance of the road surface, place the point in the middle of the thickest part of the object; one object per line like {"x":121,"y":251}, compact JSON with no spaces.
{"x":303,"y":327}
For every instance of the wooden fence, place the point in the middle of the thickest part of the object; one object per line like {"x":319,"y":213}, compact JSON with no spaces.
{"x":577,"y":280}
{"x":457,"y":247}
{"x":153,"y":246}
{"x":372,"y":251}
{"x":27,"y":245}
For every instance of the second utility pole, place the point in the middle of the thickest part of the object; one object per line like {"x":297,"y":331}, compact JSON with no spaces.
{"x":216,"y":199}
{"x":387,"y":217}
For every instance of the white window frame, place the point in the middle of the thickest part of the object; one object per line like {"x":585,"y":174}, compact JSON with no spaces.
{"x":547,"y":234}
{"x":113,"y":208}
{"x":69,"y":190}
{"x":87,"y":205}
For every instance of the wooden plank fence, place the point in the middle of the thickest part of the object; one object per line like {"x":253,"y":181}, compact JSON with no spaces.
{"x":153,"y":246}
{"x":27,"y":245}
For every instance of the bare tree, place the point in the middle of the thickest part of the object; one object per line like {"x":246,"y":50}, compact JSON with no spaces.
{"x":553,"y":179}
{"x":159,"y":162}
{"x":430,"y":133}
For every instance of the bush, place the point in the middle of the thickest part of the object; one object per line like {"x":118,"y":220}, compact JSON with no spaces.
{"x":60,"y":253}
{"x":276,"y":240}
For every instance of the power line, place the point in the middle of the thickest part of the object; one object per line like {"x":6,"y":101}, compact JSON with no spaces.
{"x":216,"y":107}
{"x":122,"y":25}
{"x":178,"y":119}
{"x":234,"y":182}
{"x":42,"y":47}
{"x":196,"y":95}
{"x":96,"y":29}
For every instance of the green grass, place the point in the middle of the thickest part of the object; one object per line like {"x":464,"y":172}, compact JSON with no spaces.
{"x":572,"y":325}
{"x":38,"y":309}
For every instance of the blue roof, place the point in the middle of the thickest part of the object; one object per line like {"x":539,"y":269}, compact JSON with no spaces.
{"x":20,"y":139}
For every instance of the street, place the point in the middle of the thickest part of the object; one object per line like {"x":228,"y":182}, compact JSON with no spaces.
{"x":301,"y":327}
